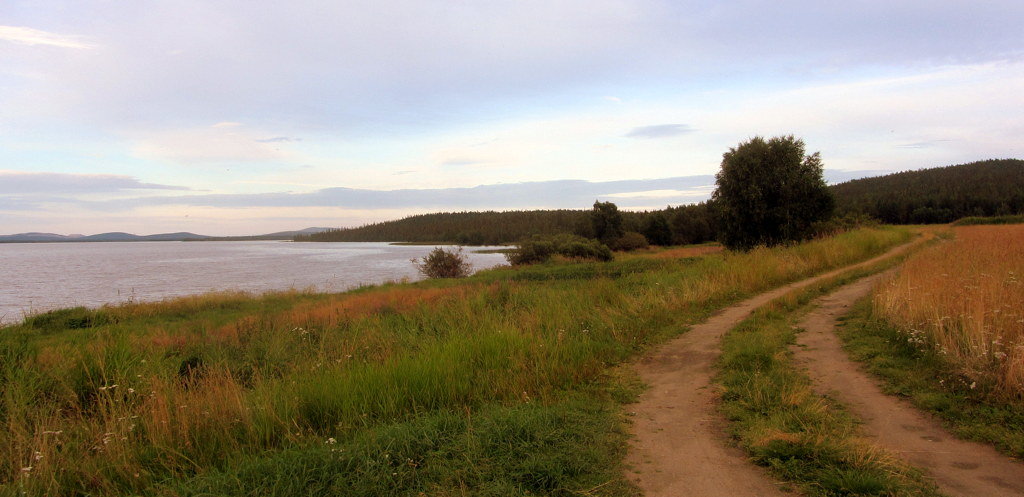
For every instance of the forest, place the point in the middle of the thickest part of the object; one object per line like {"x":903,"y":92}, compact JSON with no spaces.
{"x":685,"y":225}
{"x":926,"y":196}
{"x":937,"y":195}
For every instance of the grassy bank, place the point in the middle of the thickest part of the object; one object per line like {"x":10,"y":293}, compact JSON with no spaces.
{"x":777,"y":418}
{"x":496,"y":378}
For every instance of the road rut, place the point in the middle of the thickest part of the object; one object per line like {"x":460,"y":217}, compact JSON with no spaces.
{"x":679,"y":448}
{"x":958,"y":467}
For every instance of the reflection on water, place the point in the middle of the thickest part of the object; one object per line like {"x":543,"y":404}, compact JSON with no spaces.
{"x":43,"y":276}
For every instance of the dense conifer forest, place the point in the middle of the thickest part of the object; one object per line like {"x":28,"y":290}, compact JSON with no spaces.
{"x":938,"y":195}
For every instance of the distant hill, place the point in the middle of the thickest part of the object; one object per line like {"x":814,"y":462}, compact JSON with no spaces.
{"x":114,"y":236}
{"x":469,"y":228}
{"x":689,"y":224}
{"x":280,"y":235}
{"x":938,"y":195}
{"x":119,"y":236}
{"x":35,"y":237}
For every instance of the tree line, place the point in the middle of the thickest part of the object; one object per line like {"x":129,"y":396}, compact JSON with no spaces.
{"x":938,"y":195}
{"x":669,"y":226}
{"x":757,"y":202}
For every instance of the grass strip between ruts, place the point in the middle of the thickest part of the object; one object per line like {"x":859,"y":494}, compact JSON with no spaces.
{"x":804,"y":439}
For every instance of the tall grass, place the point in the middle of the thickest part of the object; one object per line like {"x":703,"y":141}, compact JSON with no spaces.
{"x":964,"y":300}
{"x":131,"y":400}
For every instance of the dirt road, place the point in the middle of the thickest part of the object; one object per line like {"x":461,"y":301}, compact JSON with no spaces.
{"x":679,"y":448}
{"x":957,"y":466}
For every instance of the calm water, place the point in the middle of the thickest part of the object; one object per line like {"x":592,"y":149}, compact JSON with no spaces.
{"x":42,"y":276}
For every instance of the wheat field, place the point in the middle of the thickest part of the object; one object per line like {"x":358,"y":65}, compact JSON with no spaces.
{"x":964,"y":300}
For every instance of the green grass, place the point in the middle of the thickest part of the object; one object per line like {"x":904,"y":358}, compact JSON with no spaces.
{"x":525,"y":449}
{"x":971,"y":221}
{"x":213,"y":391}
{"x":775,"y":416}
{"x":924,"y":378}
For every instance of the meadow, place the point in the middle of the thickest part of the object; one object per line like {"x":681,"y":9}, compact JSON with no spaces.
{"x":504,"y":383}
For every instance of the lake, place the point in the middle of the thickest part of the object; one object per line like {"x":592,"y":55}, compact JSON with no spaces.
{"x":43,"y":276}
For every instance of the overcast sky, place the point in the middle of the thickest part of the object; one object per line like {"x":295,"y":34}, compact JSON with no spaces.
{"x":242,"y":117}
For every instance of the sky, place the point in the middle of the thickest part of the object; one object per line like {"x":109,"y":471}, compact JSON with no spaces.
{"x":225,"y":117}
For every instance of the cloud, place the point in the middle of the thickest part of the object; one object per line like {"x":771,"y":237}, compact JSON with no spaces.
{"x":22,"y":183}
{"x":561,"y":194}
{"x":921,"y":144}
{"x":462,"y":161}
{"x":29,"y":36}
{"x":659,"y":131}
{"x":207,"y":145}
{"x":279,"y":139}
{"x":700,"y":192}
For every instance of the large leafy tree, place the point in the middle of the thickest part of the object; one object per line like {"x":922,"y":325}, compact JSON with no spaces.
{"x":770,"y":192}
{"x":606,"y":221}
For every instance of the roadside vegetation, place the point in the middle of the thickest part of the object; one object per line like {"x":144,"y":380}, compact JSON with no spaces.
{"x":775,"y":416}
{"x":502,"y":383}
{"x":948,"y":333}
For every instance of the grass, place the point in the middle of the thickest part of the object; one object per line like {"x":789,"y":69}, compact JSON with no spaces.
{"x":205,"y":395}
{"x":971,"y":221}
{"x":526,"y":449}
{"x":967,"y":309}
{"x":804,"y":439}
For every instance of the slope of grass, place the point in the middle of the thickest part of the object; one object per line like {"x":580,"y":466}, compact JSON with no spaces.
{"x":194,"y":393}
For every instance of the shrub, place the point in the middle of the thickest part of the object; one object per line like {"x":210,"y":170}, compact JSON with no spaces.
{"x":631,"y":240}
{"x":541,"y":248}
{"x":441,"y":263}
{"x":844,"y":223}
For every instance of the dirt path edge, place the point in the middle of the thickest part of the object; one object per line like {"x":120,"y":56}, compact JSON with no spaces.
{"x":679,"y":447}
{"x":957,"y":466}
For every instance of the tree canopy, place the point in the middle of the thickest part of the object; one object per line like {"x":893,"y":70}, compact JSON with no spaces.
{"x":769,"y":192}
{"x":607,"y":222}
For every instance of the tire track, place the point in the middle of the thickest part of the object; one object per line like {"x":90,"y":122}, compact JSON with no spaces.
{"x":679,"y":446}
{"x":958,"y":467}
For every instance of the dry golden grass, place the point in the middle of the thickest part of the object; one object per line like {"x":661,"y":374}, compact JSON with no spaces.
{"x":691,"y":251}
{"x":965,"y":300}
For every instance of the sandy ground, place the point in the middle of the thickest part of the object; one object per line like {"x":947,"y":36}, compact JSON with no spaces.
{"x":958,"y":467}
{"x":679,"y":448}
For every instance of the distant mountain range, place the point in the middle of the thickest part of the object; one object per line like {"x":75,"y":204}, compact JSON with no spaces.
{"x":118,"y":236}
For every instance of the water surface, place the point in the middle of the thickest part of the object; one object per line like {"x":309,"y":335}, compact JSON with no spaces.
{"x":41,"y":276}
